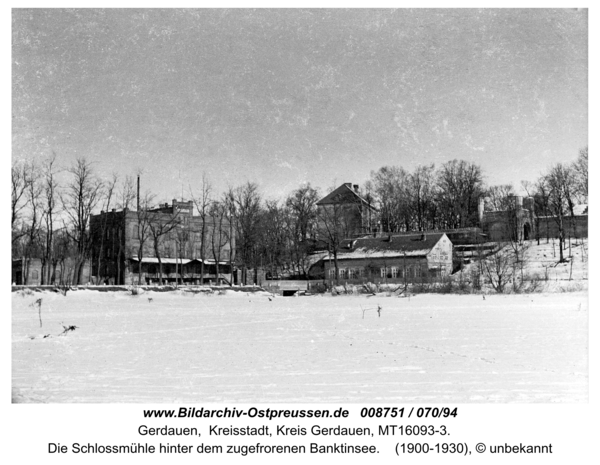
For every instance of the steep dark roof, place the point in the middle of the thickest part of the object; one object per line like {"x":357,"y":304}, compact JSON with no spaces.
{"x":413,"y":245}
{"x":341,"y":195}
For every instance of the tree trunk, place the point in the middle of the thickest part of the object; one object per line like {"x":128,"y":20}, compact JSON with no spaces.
{"x":160,"y":269}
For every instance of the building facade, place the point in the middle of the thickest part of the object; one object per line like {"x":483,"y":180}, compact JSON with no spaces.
{"x":166,"y":244}
{"x":575,"y":225}
{"x":29,"y":271}
{"x":517,"y":222}
{"x":345,"y":213}
{"x":394,"y":258}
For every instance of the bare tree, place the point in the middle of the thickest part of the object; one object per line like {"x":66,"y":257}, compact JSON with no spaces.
{"x":498,"y":267}
{"x":21,"y":178}
{"x":460,"y":185}
{"x":301,"y":206}
{"x":498,"y":198}
{"x":247,"y":201}
{"x":580,"y":168}
{"x":160,"y":225}
{"x":519,"y":262}
{"x":559,"y":182}
{"x":63,"y":250}
{"x":202,"y":203}
{"x":388,"y":186}
{"x":80,"y":198}
{"x":32,"y":246}
{"x":219,"y":233}
{"x":143,"y":231}
{"x":420,"y":192}
{"x":232,"y":215}
{"x":335,"y":223}
{"x":275,"y":236}
{"x":126,"y":198}
{"x":108,"y":194}
{"x":50,"y":210}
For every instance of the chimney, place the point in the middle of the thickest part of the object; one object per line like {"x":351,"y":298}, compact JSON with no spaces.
{"x":356,"y":188}
{"x":480,"y":209}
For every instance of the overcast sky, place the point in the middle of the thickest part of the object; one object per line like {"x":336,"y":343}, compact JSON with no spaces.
{"x":283,"y":97}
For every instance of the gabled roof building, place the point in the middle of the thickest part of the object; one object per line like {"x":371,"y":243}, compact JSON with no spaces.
{"x":347,"y":211}
{"x":402,"y":257}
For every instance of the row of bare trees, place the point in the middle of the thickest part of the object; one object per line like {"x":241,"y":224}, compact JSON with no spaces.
{"x":50,"y":220}
{"x":51,"y":209}
{"x":271,"y":234}
{"x":556,"y":194}
{"x":428,"y":198}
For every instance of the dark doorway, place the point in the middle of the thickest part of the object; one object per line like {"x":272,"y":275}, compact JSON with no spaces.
{"x":526,"y":231}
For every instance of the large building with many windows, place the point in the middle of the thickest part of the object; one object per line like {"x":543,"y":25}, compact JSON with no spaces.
{"x":166,"y":244}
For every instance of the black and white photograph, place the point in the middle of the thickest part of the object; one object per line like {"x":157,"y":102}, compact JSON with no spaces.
{"x":300,"y":205}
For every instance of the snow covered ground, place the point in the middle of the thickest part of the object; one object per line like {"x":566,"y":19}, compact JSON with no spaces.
{"x":242,"y":347}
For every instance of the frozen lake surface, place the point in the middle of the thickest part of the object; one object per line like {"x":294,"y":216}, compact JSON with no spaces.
{"x":244,"y":348}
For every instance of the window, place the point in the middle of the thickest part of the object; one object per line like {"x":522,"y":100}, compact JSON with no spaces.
{"x":434,"y":272}
{"x":394,"y":272}
{"x":351,"y":273}
{"x":343,"y":273}
{"x":332,"y":273}
{"x":383,"y":272}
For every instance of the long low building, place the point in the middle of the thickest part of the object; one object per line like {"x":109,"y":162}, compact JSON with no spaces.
{"x":392,"y":258}
{"x":30,"y":271}
{"x":178,"y":270}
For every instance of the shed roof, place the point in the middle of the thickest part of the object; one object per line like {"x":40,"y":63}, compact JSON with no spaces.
{"x":178,"y":261}
{"x":164,"y":261}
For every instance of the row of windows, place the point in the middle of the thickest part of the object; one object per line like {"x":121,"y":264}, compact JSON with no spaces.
{"x":384,"y":272}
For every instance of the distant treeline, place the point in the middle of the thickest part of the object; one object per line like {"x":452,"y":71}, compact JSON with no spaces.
{"x":50,"y":220}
